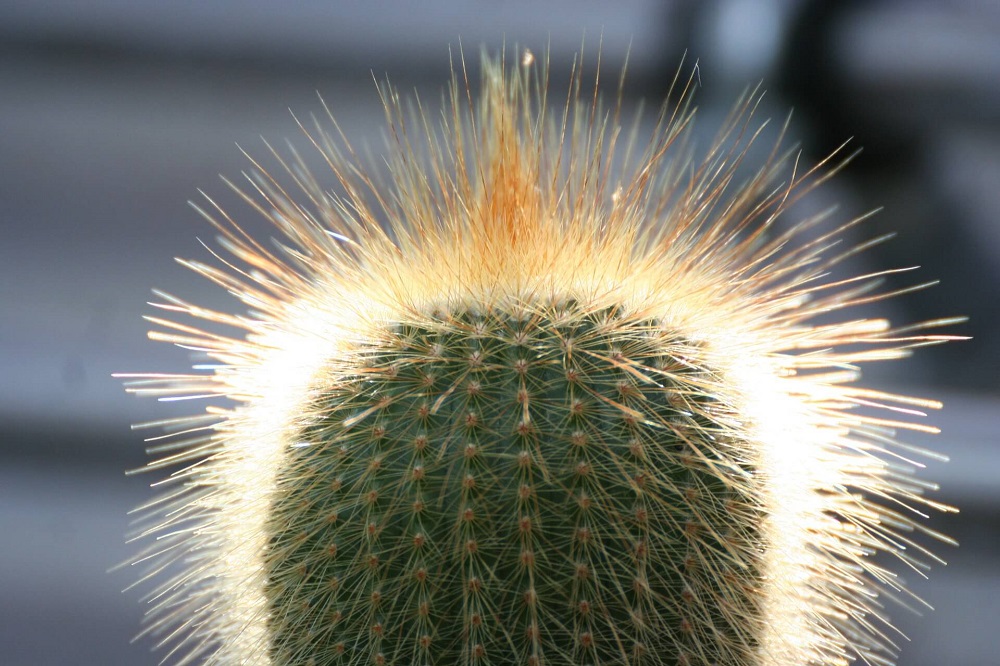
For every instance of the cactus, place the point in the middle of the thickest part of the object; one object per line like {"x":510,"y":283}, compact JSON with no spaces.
{"x":505,"y":411}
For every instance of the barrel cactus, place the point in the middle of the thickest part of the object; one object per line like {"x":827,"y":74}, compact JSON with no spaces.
{"x":545,"y":397}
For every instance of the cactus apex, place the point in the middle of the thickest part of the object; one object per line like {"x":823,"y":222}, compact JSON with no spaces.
{"x":542,"y":399}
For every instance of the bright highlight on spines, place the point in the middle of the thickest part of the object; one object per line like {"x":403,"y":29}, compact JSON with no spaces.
{"x":454,"y":303}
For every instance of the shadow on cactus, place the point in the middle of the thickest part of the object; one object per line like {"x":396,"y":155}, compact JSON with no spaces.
{"x":541,"y":399}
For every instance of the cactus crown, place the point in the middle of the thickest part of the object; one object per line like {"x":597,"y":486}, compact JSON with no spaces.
{"x":543,"y":399}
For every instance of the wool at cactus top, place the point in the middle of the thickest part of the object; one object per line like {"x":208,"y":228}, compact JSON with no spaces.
{"x":517,"y":407}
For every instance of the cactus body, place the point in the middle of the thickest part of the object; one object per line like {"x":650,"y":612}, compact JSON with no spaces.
{"x":511,"y":487}
{"x":533,"y":418}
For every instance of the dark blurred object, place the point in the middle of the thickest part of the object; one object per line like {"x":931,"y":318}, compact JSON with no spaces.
{"x":893,"y":73}
{"x":917,"y":84}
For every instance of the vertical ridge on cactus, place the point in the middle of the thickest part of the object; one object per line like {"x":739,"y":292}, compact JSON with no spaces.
{"x":543,"y":398}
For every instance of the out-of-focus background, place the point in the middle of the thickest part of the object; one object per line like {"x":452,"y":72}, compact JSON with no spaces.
{"x":114,"y":112}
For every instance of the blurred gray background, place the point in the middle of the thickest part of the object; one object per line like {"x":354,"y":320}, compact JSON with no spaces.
{"x":114,"y":112}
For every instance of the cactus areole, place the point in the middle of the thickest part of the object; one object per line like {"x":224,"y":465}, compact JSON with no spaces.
{"x":541,"y":398}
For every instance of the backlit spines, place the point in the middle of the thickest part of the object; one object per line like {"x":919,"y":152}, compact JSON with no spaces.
{"x":667,"y":464}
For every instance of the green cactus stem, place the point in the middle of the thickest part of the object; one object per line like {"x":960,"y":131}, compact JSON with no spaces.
{"x":515,"y":486}
{"x":541,"y":398}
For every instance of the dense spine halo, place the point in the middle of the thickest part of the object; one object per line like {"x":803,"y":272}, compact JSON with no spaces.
{"x":552,"y":393}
